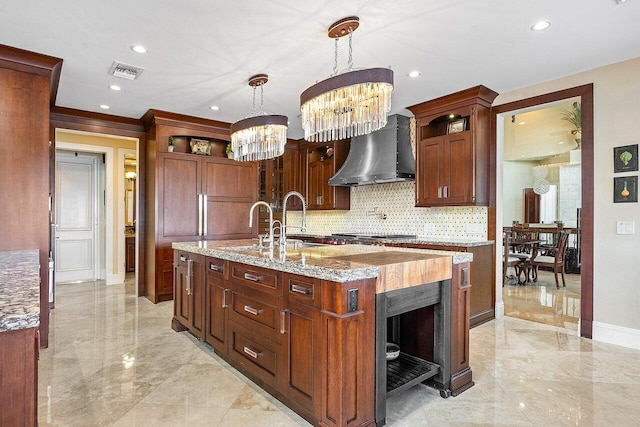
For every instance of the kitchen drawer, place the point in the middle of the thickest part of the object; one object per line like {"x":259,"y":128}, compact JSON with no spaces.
{"x":257,"y":312}
{"x":215,"y":267}
{"x":302,"y":289}
{"x":258,"y":278}
{"x":255,"y":354}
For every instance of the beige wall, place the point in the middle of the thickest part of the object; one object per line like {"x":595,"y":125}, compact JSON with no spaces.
{"x":616,"y":257}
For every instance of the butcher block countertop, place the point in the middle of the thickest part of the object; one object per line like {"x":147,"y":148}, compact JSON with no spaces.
{"x":19,"y":290}
{"x":394,"y":268}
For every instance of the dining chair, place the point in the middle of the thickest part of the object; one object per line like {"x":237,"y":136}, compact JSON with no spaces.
{"x":556,"y":262}
{"x":509,"y":259}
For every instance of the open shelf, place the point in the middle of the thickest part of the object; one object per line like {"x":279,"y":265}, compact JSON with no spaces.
{"x":407,"y":371}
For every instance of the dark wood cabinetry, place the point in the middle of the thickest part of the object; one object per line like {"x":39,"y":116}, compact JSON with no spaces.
{"x":196,"y":197}
{"x":130,"y":254}
{"x":322,"y":162}
{"x":452,"y":169}
{"x":189,"y":291}
{"x":292,"y":335}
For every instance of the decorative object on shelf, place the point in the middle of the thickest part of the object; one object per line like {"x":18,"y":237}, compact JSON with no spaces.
{"x":229,"y":151}
{"x":457,"y":126}
{"x":625,"y":158}
{"x":348,"y":103}
{"x":171,"y":143}
{"x":625,"y":189}
{"x":574,"y":116}
{"x":260,"y":136}
{"x":200,"y":146}
{"x":393,"y":351}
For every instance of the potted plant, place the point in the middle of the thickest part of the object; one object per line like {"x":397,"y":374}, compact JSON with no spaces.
{"x":574,"y":116}
{"x":229,"y":151}
{"x":171,"y":143}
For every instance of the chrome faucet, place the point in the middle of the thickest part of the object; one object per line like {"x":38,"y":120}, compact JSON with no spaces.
{"x":270,"y":221}
{"x":303,"y":226}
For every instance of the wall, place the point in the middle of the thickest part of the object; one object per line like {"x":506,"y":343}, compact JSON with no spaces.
{"x":616,"y":268}
{"x":396,"y":201}
{"x":117,"y":145}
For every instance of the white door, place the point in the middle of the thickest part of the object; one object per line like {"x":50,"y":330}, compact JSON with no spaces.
{"x":76,"y":216}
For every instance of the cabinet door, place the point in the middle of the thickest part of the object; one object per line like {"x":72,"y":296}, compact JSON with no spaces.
{"x":429,"y":171}
{"x":292,"y":180}
{"x":197,"y":295}
{"x":316,"y":185}
{"x":178,"y":212}
{"x":181,"y":290}
{"x":303,"y":355}
{"x":230,"y":189}
{"x":216,"y":303}
{"x":459,"y":167}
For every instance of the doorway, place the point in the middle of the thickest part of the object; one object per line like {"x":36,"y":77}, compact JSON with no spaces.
{"x":79,"y":243}
{"x":500,"y":114}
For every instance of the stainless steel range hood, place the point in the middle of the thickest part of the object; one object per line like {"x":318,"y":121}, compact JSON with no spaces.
{"x":379,"y":157}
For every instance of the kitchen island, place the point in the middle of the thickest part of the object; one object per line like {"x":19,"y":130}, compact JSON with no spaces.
{"x":19,"y":321}
{"x":310,"y":323}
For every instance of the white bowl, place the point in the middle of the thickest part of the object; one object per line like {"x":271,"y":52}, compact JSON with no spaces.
{"x":393,"y":351}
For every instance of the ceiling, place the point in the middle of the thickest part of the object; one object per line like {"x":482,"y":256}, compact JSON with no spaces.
{"x":201,"y":52}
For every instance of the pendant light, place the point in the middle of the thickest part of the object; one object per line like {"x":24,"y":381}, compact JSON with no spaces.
{"x":260,"y":136}
{"x":349,"y":103}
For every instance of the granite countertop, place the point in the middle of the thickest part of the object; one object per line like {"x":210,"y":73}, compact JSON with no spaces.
{"x":19,"y":290}
{"x":342,"y":263}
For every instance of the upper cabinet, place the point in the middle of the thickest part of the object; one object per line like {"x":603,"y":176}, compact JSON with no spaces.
{"x":452,"y":149}
{"x":322,"y":162}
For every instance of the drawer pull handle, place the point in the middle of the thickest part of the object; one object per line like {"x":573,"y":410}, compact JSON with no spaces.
{"x":300,"y":290}
{"x":252,"y":277}
{"x":252,"y":310}
{"x":224,"y":298}
{"x":251,"y":353}
{"x":183,"y":258}
{"x":283,"y":326}
{"x":214,"y":267}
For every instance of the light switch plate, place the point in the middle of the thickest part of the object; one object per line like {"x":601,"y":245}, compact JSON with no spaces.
{"x":626,"y":227}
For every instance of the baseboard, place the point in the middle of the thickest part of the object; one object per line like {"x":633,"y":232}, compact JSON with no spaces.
{"x":114,"y":279}
{"x":499,"y":309}
{"x":618,"y":335}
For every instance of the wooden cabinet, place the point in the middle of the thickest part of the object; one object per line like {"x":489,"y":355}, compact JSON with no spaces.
{"x":295,"y":336}
{"x":196,"y":197}
{"x":322,"y":162}
{"x":452,"y":169}
{"x":130,"y":254}
{"x":189,"y":291}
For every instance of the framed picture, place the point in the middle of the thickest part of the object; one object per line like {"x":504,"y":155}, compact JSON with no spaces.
{"x":457,"y":126}
{"x":625,"y":159}
{"x":200,"y":146}
{"x":625,"y":189}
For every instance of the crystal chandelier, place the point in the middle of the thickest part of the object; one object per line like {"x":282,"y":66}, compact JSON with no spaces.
{"x":260,"y":136}
{"x":348,"y":103}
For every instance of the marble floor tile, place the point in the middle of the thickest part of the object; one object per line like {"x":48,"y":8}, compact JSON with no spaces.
{"x":113,"y":360}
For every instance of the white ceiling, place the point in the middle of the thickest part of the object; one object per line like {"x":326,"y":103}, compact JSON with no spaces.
{"x":201,"y":52}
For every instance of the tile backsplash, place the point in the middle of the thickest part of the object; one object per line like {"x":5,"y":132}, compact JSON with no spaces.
{"x":389,"y":208}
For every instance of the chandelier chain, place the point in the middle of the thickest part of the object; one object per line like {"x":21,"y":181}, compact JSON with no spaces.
{"x":350,"y":49}
{"x":335,"y":58}
{"x":253,"y":109}
{"x":261,"y":98}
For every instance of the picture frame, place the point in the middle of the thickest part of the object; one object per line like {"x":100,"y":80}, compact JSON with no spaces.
{"x":625,"y":158}
{"x":625,"y":189}
{"x":457,"y":126}
{"x":200,"y":146}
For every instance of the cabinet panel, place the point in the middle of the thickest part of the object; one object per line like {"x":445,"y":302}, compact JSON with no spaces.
{"x":179,"y":184}
{"x":254,"y":353}
{"x":262,"y":279}
{"x":316,"y":185}
{"x":216,"y":316}
{"x":458,"y":176}
{"x":227,"y":220}
{"x":181,"y":295}
{"x":429,"y":161}
{"x":229,"y":180}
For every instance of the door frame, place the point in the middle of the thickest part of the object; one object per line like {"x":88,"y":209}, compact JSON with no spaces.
{"x":585,"y":92}
{"x":108,"y":152}
{"x":121,"y":213}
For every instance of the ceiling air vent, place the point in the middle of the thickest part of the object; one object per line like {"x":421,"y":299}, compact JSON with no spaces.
{"x":125,"y":71}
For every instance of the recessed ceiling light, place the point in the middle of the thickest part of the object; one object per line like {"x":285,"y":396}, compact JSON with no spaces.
{"x":539,"y":26}
{"x":560,"y":142}
{"x":522,"y":123}
{"x":104,"y":106}
{"x":214,"y":107}
{"x":139,"y":48}
{"x":115,"y":87}
{"x":451,"y":116}
{"x":414,"y":74}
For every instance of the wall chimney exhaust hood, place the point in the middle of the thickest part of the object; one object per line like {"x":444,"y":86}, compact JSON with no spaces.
{"x":379,"y":157}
